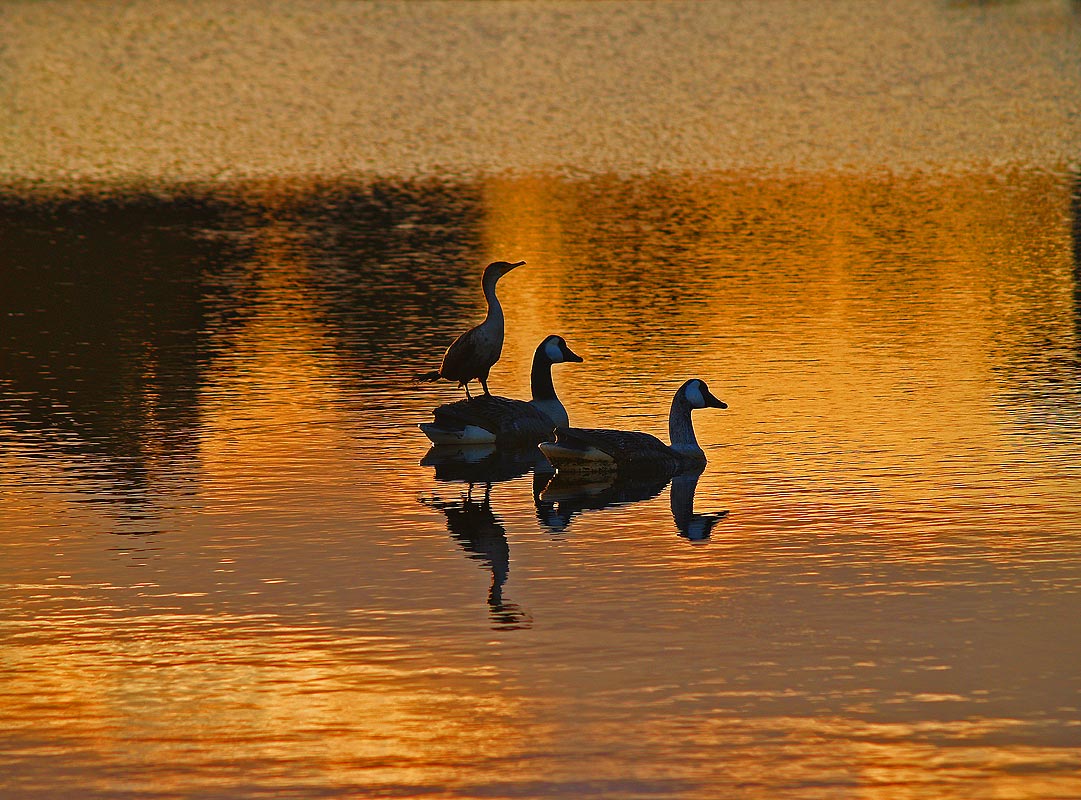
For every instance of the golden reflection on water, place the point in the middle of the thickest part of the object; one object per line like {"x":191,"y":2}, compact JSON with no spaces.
{"x":819,"y":307}
{"x":885,"y":611}
{"x":274,"y":379}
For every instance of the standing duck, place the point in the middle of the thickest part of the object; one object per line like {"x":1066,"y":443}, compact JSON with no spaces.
{"x":472,"y":355}
{"x":585,"y":450}
{"x":500,"y":419}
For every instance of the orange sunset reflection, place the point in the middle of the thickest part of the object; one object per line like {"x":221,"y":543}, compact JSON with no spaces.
{"x":818,"y":306}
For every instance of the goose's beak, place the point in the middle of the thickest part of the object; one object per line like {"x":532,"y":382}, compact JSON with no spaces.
{"x":713,"y":402}
{"x":570,"y":355}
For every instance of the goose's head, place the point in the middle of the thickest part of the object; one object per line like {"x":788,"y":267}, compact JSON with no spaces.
{"x":555,"y":350}
{"x":697,"y":395}
{"x":497,"y":269}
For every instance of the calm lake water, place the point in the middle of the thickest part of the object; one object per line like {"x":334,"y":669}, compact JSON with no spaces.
{"x":231,"y":567}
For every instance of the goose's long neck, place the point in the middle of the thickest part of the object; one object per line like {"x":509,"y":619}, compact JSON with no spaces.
{"x":494,"y":318}
{"x":543,"y":391}
{"x":540,"y":377}
{"x":679,"y":426}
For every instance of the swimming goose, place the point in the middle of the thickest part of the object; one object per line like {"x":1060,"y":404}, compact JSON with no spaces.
{"x":587,"y":450}
{"x":499,"y":419}
{"x":472,"y":355}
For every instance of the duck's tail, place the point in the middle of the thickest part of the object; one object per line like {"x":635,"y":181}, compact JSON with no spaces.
{"x":427,"y":377}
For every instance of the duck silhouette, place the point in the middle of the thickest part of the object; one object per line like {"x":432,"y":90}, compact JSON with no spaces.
{"x":592,"y":450}
{"x":473,"y":354}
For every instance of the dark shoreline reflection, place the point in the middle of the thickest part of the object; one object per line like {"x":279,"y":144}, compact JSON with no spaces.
{"x":1043,"y":378}
{"x":101,"y":353}
{"x":119,"y":310}
{"x":1039,"y":366}
{"x":1075,"y":242}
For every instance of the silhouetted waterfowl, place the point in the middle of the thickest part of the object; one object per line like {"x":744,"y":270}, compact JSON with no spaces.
{"x":491,"y":419}
{"x":598,"y":449}
{"x":472,"y":355}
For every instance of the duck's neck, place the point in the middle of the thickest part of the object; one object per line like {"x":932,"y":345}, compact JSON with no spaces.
{"x":494,"y":318}
{"x":680,"y":430}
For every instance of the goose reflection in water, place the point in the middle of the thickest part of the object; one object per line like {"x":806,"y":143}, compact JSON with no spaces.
{"x":566,"y":496}
{"x":691,"y":525}
{"x":473,"y":524}
{"x":484,"y":463}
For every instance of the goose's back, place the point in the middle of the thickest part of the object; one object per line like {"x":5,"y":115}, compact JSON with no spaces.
{"x":510,"y":420}
{"x":626,"y":448}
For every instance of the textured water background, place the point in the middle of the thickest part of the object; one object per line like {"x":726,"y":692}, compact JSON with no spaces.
{"x":216,"y":92}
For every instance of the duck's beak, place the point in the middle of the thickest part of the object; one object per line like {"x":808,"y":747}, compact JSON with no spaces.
{"x":570,"y":355}
{"x":713,"y":402}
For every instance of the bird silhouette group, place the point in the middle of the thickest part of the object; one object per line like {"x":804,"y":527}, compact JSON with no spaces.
{"x":542,"y":421}
{"x":594,"y":467}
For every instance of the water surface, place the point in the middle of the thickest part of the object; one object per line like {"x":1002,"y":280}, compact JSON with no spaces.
{"x":227,"y":567}
{"x":211,"y":92}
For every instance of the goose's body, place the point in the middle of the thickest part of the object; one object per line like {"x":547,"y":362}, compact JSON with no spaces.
{"x":586,"y":450}
{"x":489,"y":418}
{"x":473,"y":354}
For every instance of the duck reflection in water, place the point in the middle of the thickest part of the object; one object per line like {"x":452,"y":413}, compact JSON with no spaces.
{"x":568,"y":495}
{"x":473,"y":524}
